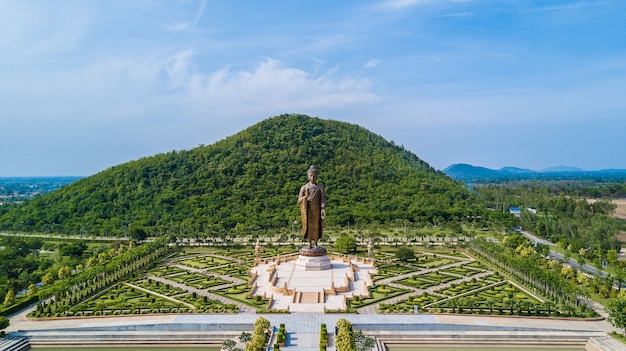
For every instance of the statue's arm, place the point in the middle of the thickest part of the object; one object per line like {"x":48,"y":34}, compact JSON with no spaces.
{"x":302,"y":194}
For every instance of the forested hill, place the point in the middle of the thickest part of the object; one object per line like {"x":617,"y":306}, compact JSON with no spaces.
{"x":248,"y":181}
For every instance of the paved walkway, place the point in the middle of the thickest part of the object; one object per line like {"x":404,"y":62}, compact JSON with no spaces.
{"x":203,"y":292}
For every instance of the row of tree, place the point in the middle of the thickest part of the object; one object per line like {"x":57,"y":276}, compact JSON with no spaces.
{"x":64,"y":294}
{"x":30,"y":264}
{"x":525,"y":269}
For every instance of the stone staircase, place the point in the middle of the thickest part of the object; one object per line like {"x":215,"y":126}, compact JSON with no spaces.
{"x":14,"y":344}
{"x":605,"y":343}
{"x":309,"y":297}
{"x":51,"y":338}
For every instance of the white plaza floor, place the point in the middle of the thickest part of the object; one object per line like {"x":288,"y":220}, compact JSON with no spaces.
{"x":298,"y":290}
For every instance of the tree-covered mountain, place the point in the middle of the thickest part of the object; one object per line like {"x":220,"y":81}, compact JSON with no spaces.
{"x":251,"y":180}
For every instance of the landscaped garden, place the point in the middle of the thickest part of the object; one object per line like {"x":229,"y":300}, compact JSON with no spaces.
{"x":241,"y":293}
{"x":125,"y":299}
{"x":198,"y":280}
{"x":377,"y":294}
{"x":445,"y":281}
{"x":204,"y":262}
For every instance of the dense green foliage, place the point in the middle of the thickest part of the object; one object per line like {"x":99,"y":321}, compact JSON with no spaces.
{"x":19,"y":263}
{"x":4,"y":322}
{"x":108,"y":270}
{"x":260,"y":337}
{"x":250,"y":181}
{"x":518,"y":258}
{"x":569,"y":220}
{"x":405,"y":253}
{"x":25,"y":262}
{"x":345,"y":244}
{"x":344,"y":340}
{"x":617,"y":313}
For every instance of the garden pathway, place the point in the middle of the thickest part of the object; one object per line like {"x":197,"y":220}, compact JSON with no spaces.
{"x":242,"y":308}
{"x":420,"y":272}
{"x":371,"y":309}
{"x":160,"y":295}
{"x":209,"y":273}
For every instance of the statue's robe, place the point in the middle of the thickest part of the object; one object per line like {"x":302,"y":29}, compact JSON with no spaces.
{"x":311,"y":210}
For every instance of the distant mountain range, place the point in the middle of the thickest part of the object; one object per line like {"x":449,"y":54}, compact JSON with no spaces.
{"x":476,"y":174}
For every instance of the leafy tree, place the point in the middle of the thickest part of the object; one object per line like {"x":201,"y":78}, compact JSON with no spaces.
{"x":617,"y":313}
{"x":64,"y":272}
{"x":4,"y":322}
{"x":368,"y":343}
{"x":74,"y":250}
{"x":611,"y":256}
{"x":47,"y":279}
{"x":404,"y":254}
{"x":245,"y":337}
{"x":344,"y":340}
{"x":9,"y":298}
{"x":137,"y":233}
{"x":259,"y":337}
{"x":345,"y":244}
{"x":229,"y":344}
{"x":32,"y":289}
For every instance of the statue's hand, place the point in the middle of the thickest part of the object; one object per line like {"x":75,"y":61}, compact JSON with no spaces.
{"x":323,"y":214}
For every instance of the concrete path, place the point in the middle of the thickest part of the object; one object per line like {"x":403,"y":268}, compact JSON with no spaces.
{"x":242,"y":308}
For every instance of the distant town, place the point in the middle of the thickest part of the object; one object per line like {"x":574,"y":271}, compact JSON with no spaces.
{"x":18,"y":189}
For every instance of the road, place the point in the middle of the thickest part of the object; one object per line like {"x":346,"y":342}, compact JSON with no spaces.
{"x":571,"y":262}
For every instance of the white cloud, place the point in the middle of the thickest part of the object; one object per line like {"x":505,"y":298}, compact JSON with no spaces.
{"x":272,"y":86}
{"x":187,"y":24}
{"x":372,"y":63}
{"x":395,"y":5}
{"x":178,"y":69}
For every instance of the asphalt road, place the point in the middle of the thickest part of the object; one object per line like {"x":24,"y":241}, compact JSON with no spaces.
{"x":571,"y":262}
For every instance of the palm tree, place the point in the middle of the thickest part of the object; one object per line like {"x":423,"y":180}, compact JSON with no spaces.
{"x":569,"y":309}
{"x":525,"y":305}
{"x":471,"y":304}
{"x":462,"y":303}
{"x":490,"y":303}
{"x":510,"y":304}
{"x":454,"y":303}
{"x":549,"y":306}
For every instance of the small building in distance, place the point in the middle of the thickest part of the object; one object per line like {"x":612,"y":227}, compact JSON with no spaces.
{"x":515,"y":211}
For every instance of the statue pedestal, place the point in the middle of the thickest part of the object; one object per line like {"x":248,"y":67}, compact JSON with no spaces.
{"x":313,"y":259}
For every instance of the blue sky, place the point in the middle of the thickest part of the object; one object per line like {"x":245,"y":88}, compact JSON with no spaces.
{"x":86,"y":85}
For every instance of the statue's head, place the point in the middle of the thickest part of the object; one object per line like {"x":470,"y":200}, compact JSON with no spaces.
{"x":312,"y":173}
{"x":312,"y":170}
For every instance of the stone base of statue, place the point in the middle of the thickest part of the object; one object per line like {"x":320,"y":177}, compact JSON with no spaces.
{"x":313,"y":259}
